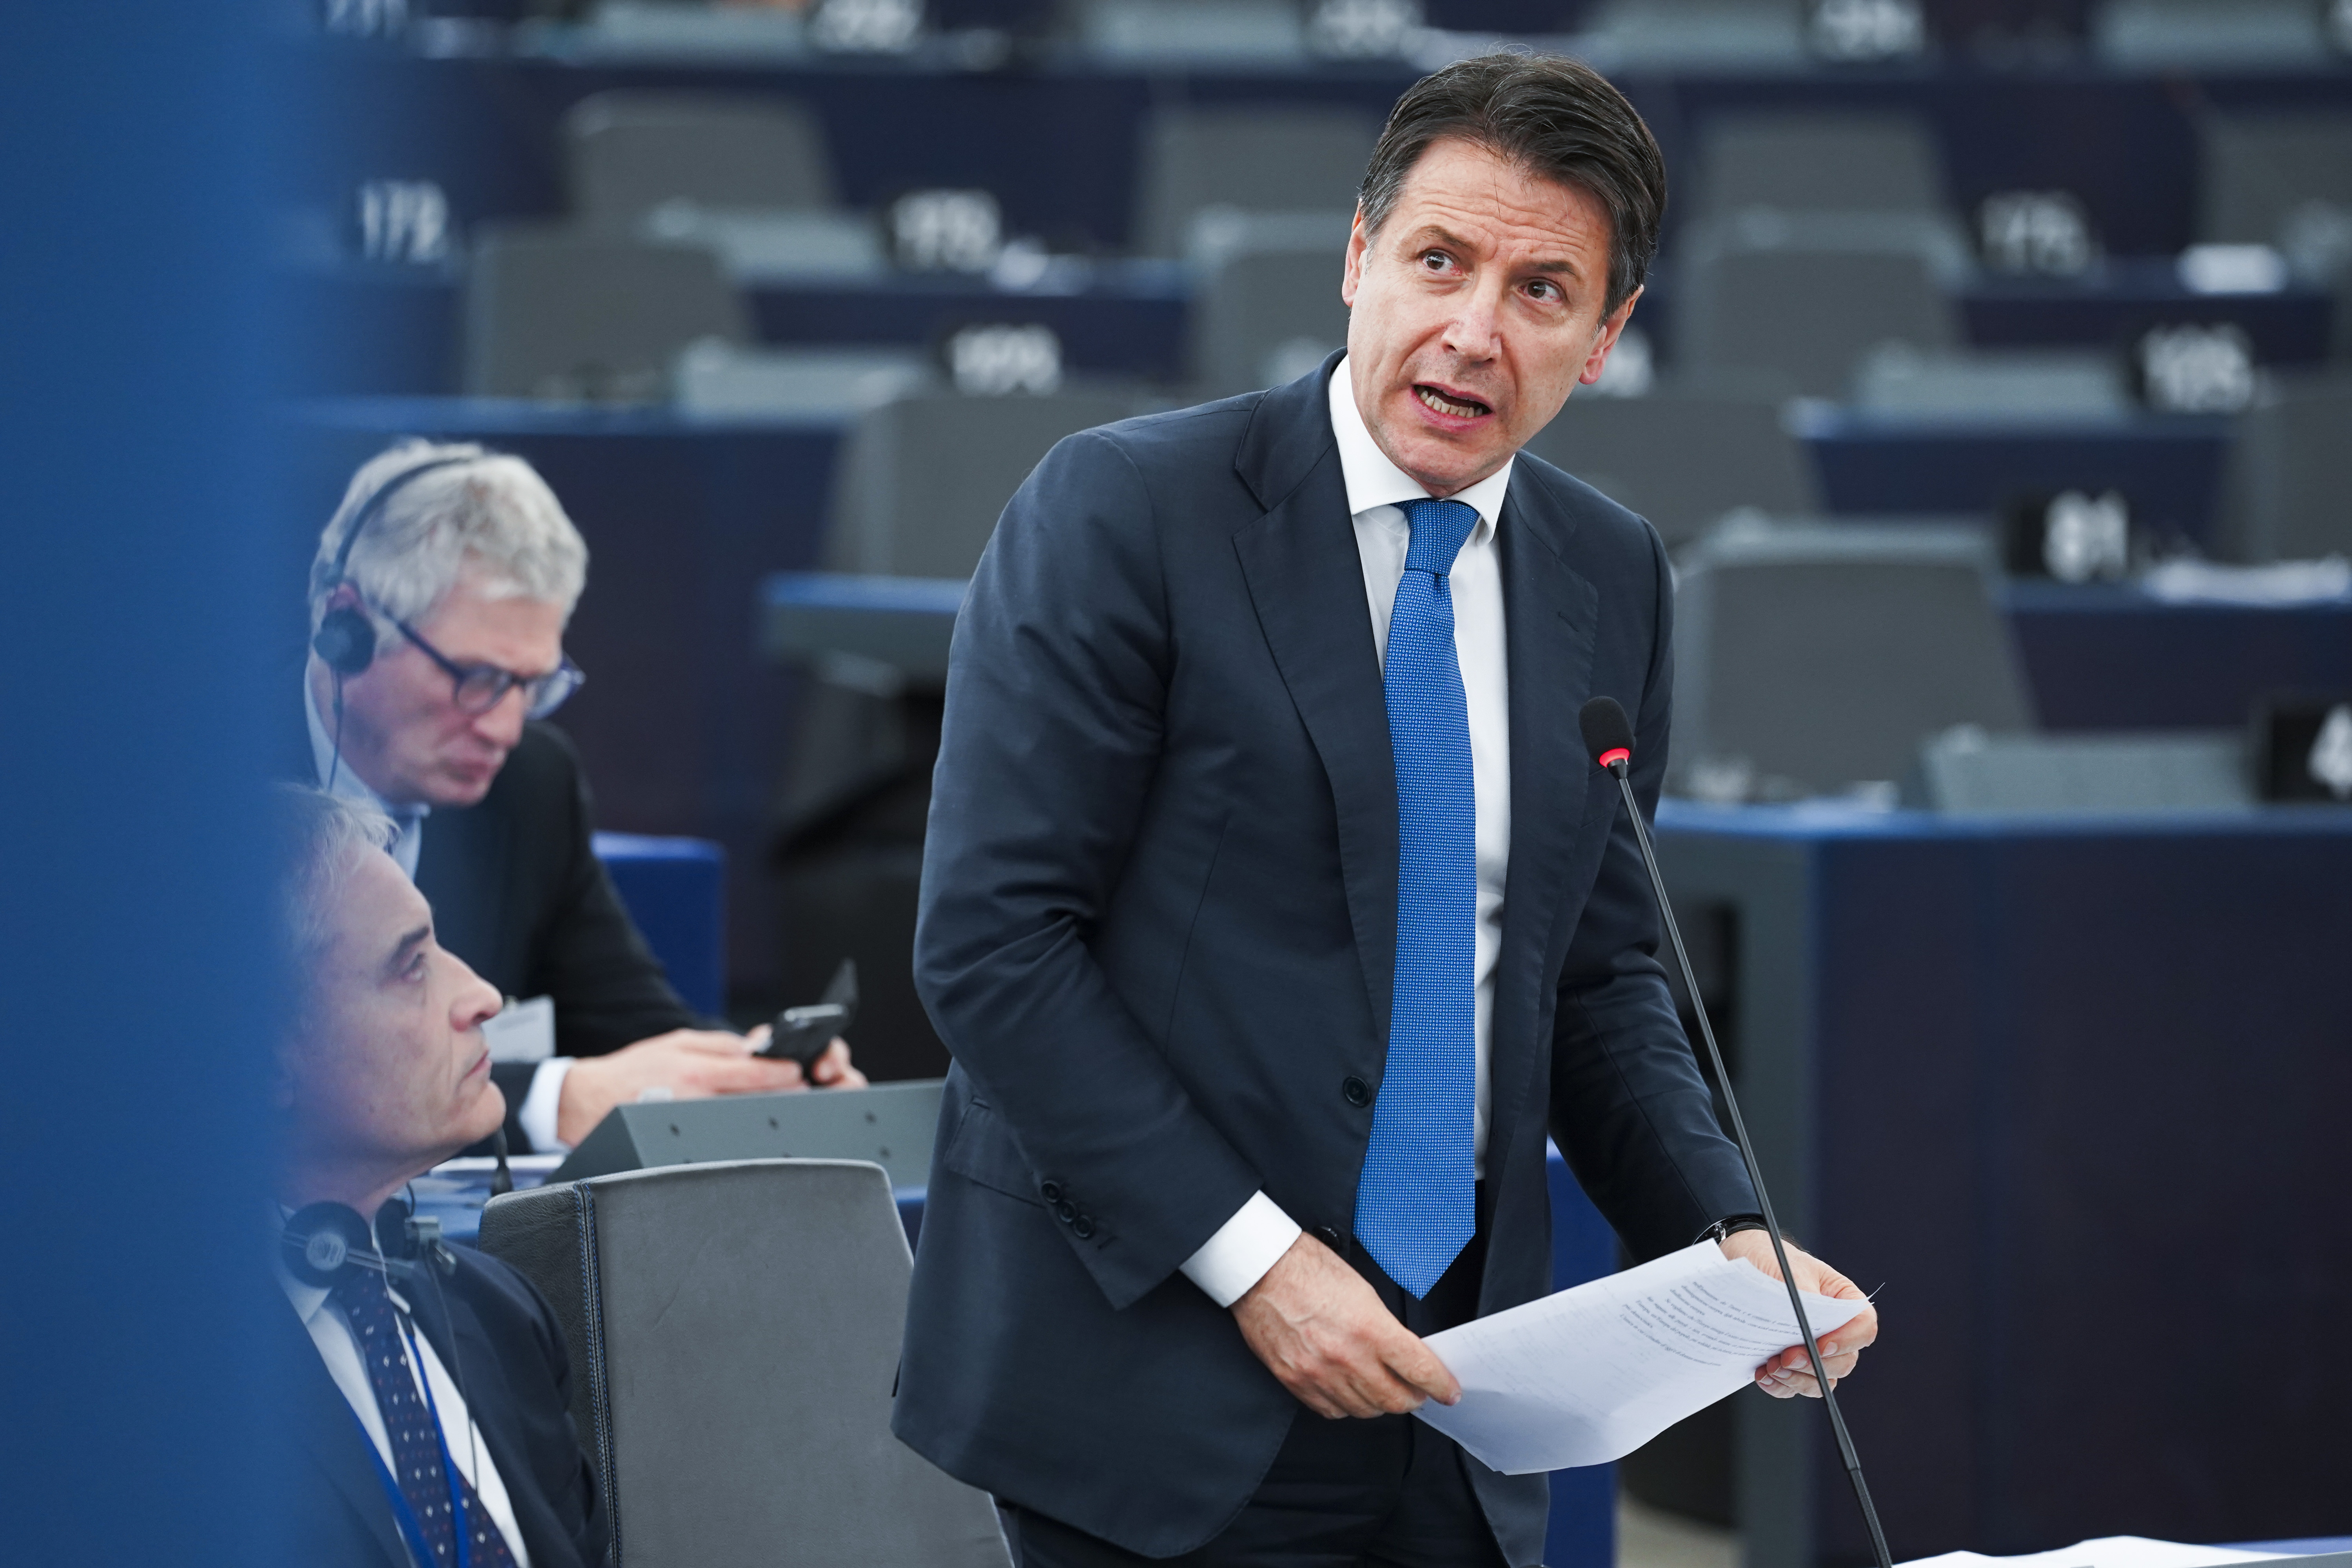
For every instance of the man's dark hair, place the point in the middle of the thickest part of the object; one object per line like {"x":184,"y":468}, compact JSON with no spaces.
{"x":1553,"y":117}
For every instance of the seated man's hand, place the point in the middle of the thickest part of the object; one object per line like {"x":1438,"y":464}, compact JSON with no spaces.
{"x":1791,"y":1374}
{"x":691,"y":1064}
{"x":831,"y":1070}
{"x":1321,"y":1330}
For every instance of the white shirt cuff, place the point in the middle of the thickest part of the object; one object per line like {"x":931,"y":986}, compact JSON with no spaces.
{"x":540,"y":1106}
{"x":1244,"y":1248}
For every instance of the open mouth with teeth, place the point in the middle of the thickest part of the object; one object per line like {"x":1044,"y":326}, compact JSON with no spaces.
{"x":1446,"y":404}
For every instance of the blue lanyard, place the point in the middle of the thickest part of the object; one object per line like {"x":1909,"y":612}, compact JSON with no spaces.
{"x":411,"y":1530}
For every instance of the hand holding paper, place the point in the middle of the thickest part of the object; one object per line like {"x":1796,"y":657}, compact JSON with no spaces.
{"x":1590,"y":1374}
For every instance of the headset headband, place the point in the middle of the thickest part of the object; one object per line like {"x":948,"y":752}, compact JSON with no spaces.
{"x":374,"y":504}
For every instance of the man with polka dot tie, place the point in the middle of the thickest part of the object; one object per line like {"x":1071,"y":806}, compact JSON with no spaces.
{"x":432,"y":1402}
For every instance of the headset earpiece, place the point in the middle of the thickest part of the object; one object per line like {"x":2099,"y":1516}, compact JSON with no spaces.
{"x":323,"y":1242}
{"x":345,"y":640}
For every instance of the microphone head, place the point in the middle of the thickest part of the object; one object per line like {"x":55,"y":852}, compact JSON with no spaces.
{"x":1608,"y":733}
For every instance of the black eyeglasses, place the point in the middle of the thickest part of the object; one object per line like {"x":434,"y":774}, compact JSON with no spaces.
{"x":478,"y":688}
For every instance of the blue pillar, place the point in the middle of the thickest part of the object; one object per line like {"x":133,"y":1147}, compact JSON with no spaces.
{"x":134,"y":1003}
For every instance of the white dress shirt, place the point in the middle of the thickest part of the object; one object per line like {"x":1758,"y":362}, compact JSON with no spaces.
{"x":537,"y":1114}
{"x":331,"y":1330}
{"x":1250,"y":1242}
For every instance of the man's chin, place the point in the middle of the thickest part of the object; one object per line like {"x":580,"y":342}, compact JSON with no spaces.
{"x":457,"y":787}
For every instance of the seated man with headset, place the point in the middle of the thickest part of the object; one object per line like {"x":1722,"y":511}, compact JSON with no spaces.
{"x":434,"y":1405}
{"x":438,"y":599}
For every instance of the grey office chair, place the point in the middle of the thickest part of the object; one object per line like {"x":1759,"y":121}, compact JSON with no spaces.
{"x":1264,"y":317}
{"x":734,"y":1337}
{"x":627,"y":151}
{"x":1806,"y":294}
{"x":1667,"y":34}
{"x":1822,"y":655}
{"x":1189,"y":31}
{"x":1858,"y":161}
{"x":2258,"y":168}
{"x":1256,"y":159}
{"x":2291,"y":472}
{"x":924,"y":475}
{"x":1687,"y":453}
{"x":563,"y":313}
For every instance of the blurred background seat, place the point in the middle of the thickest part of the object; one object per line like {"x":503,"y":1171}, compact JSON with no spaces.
{"x":1849,"y":162}
{"x":690,"y":1298}
{"x":627,"y":151}
{"x":1810,"y":658}
{"x":2291,"y":474}
{"x":1686,"y":452}
{"x":1266,"y":298}
{"x":561,"y":313}
{"x":2144,"y":35}
{"x":1805,"y":295}
{"x":1256,"y":159}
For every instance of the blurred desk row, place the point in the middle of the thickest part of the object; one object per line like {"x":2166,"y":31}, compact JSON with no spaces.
{"x":381,"y":329}
{"x":684,"y":722}
{"x":1058,"y":146}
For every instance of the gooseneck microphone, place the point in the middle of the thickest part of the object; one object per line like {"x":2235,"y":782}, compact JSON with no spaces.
{"x":1609,"y":737}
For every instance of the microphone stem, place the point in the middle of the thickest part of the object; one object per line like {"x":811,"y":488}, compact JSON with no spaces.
{"x":1755,"y":1174}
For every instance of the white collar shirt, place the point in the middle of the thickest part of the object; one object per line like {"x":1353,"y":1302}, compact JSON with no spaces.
{"x":1259,"y":1233}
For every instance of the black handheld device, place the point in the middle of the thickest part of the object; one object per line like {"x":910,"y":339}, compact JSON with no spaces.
{"x":802,"y":1034}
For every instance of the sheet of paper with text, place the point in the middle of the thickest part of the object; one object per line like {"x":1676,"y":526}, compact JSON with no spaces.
{"x":1590,"y":1374}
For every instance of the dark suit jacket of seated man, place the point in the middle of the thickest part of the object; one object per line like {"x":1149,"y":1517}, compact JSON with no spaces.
{"x":382,"y":1072}
{"x":1164,"y":920}
{"x":439,"y":594}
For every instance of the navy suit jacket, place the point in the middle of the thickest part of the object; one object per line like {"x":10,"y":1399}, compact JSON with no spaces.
{"x":1158,"y":932}
{"x":500,"y":1335}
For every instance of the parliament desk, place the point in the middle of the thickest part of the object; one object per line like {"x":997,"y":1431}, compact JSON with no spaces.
{"x":2067,"y":1095}
{"x":1582,"y":1532}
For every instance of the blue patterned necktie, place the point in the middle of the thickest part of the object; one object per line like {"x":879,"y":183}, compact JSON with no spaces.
{"x":1416,"y":1201}
{"x":415,"y":1439}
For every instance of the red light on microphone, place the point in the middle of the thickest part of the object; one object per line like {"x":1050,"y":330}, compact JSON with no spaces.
{"x":1615,"y":755}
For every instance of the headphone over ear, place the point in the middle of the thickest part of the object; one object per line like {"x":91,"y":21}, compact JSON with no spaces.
{"x":345,"y":640}
{"x":325,"y":1243}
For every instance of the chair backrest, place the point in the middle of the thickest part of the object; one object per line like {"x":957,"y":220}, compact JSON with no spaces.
{"x":565,"y":313}
{"x":1686,"y":453}
{"x":2158,"y":35}
{"x":2291,"y":472}
{"x":1965,"y":769}
{"x":2258,"y":168}
{"x":1822,"y":655}
{"x":1857,"y":162}
{"x":1264,"y":317}
{"x":1806,"y":295}
{"x":627,"y":151}
{"x":1258,"y":160}
{"x":1668,"y":34}
{"x":925,"y":476}
{"x":734,"y":1334}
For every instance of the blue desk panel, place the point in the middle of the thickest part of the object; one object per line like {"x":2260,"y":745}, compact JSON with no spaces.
{"x":676,"y":891}
{"x":2072,"y":1090}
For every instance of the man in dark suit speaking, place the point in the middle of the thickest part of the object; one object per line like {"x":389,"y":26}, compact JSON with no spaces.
{"x":1274,"y":913}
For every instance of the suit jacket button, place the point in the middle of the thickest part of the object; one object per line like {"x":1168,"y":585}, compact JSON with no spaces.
{"x":1050,"y":1191}
{"x":1329,"y":1237}
{"x":1083,"y":1226}
{"x":1356,"y":1091}
{"x":1066,"y":1211}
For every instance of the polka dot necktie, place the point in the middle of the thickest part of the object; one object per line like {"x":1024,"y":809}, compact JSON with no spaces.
{"x":415,"y":1443}
{"x":1415,"y":1200}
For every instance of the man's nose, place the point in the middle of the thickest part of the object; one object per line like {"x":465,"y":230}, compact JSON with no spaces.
{"x":502,"y":721}
{"x":1472,"y":332}
{"x":476,"y":1002}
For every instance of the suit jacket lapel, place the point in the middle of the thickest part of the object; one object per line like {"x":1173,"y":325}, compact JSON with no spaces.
{"x":1306,"y":584}
{"x":1549,"y":611}
{"x":331,"y":1438}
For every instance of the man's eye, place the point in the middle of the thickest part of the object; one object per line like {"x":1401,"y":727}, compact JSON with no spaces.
{"x":1543,"y":290}
{"x":1435,"y":260}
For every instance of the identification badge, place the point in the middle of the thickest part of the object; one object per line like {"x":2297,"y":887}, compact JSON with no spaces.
{"x":523,"y":1031}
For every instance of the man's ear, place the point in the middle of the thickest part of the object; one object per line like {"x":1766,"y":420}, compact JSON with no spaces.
{"x":1352,"y":278}
{"x":1605,"y":338}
